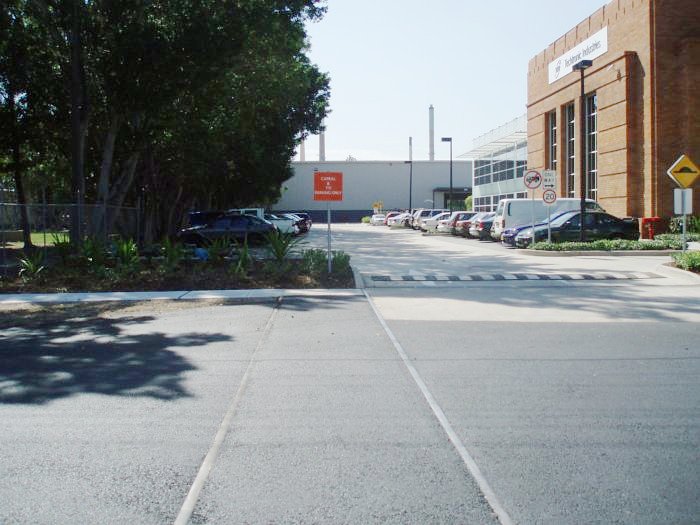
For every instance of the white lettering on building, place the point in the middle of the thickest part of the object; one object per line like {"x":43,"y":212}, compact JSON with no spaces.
{"x":593,"y":47}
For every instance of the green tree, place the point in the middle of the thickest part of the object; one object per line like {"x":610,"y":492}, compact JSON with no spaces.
{"x":468,"y":203}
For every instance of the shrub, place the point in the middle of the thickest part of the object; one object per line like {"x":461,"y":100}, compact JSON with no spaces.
{"x":365,"y":220}
{"x":62,"y":246}
{"x":244,"y":262}
{"x":173,"y":255}
{"x":281,"y":244}
{"x":609,"y":245}
{"x":340,"y":262}
{"x":219,"y":249}
{"x":94,"y":252}
{"x":127,"y":257}
{"x":690,"y":237}
{"x":31,"y":265}
{"x":692,"y":224}
{"x":688,"y":261}
{"x":314,"y":261}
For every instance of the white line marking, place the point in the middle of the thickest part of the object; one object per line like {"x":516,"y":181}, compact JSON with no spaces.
{"x":188,"y":505}
{"x":473,"y":468}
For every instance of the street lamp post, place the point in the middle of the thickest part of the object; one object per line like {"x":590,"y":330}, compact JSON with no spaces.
{"x":410,"y":183}
{"x":449,"y":197}
{"x":582,"y":66}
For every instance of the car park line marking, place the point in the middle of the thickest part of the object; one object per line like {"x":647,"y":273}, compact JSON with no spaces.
{"x":183,"y":517}
{"x":472,"y":467}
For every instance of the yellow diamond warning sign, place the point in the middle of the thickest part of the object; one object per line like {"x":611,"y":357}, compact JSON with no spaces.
{"x":684,"y":172}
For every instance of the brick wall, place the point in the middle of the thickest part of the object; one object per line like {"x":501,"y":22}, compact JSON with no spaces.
{"x":637,"y":141}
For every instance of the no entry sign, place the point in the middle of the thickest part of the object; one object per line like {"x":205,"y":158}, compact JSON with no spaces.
{"x":328,"y":186}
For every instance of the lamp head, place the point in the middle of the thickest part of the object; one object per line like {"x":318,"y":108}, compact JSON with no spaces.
{"x":583,"y":64}
{"x":446,"y":139}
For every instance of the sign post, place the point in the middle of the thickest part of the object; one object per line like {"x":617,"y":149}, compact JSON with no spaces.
{"x":549,"y":196}
{"x":328,"y":186}
{"x":532,"y":181}
{"x":684,"y":173}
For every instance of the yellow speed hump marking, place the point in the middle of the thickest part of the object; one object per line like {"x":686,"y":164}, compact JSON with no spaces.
{"x":684,"y":171}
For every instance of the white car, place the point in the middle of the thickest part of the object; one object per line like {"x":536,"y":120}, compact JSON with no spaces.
{"x":377,"y":219}
{"x":402,"y":219}
{"x":429,"y":224}
{"x":284,"y":224}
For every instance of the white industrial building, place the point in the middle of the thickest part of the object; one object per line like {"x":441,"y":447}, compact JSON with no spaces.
{"x":368,"y":182}
{"x":500,"y":160}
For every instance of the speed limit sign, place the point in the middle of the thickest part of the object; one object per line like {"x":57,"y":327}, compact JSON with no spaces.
{"x":549,"y":197}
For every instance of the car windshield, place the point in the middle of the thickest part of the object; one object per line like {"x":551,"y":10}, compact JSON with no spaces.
{"x":563,"y":218}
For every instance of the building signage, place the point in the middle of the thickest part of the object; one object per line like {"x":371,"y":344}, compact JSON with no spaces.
{"x":328,"y":186}
{"x":591,"y":48}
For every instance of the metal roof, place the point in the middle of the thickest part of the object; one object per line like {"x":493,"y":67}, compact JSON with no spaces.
{"x":513,"y":133}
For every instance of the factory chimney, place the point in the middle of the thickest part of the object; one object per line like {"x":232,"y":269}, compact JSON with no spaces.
{"x":431,"y":113}
{"x":302,"y":151}
{"x":322,"y":144}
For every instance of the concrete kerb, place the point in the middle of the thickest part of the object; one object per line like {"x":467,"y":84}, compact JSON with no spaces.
{"x":677,"y":272}
{"x":193,"y":295}
{"x":598,"y":253}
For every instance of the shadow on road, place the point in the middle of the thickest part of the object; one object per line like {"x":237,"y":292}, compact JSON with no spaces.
{"x":75,"y":349}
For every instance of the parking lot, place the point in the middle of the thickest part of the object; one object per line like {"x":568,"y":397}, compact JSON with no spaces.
{"x":413,"y":401}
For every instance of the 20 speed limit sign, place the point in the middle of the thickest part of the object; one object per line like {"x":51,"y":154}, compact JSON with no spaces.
{"x":549,"y":197}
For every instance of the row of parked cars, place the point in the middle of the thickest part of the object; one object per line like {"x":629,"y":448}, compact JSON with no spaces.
{"x":240,"y":224}
{"x":516,"y":222}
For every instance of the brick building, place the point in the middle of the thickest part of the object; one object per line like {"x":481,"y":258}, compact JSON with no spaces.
{"x":642,"y":104}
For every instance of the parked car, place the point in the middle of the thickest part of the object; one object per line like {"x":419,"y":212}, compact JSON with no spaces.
{"x":429,"y":224}
{"x":303,"y":224}
{"x":389,"y":215}
{"x":519,"y":212}
{"x":306,"y":217}
{"x":567,"y":227}
{"x":423,"y":214}
{"x":402,"y":219}
{"x":199,"y":218}
{"x":284,"y":224}
{"x":481,"y":228}
{"x":462,"y":226}
{"x":450,"y":226}
{"x":232,"y":226}
{"x":377,"y":219}
{"x":509,"y":234}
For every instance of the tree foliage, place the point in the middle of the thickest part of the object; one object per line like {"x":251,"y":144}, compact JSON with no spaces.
{"x":173,"y":104}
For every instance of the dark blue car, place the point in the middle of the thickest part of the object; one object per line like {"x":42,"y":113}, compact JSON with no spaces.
{"x":508,"y":236}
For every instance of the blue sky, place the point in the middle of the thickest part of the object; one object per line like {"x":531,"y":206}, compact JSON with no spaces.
{"x":390,"y":59}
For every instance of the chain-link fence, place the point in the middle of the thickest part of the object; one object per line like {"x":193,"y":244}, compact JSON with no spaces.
{"x":51,"y":223}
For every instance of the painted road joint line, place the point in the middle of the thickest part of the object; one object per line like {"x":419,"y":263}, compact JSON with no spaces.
{"x":190,"y":502}
{"x":471,"y":465}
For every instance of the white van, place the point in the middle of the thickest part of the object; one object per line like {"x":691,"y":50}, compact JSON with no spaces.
{"x":518,"y":212}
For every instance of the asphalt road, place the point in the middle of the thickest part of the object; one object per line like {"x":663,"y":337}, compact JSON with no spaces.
{"x":577,"y":402}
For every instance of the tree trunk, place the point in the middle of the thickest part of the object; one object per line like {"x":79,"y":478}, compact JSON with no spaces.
{"x":17,"y":173}
{"x":122,"y":186}
{"x":100,"y":215}
{"x":79,"y":113}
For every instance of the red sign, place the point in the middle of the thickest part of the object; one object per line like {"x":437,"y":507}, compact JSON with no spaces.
{"x":328,"y":186}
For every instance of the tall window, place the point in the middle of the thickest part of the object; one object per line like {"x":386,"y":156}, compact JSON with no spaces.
{"x":570,"y":119}
{"x":552,"y":138}
{"x":592,"y":146}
